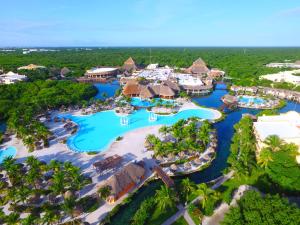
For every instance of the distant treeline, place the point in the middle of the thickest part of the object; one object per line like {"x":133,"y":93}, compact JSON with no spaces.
{"x":237,"y":62}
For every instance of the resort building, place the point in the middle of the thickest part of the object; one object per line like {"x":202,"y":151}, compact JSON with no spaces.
{"x":166,"y":90}
{"x":286,"y":76}
{"x":124,"y":180}
{"x":216,"y":73}
{"x":31,"y":67}
{"x":152,"y":66}
{"x":64,"y":71}
{"x":11,"y":78}
{"x":286,"y":126}
{"x":129,"y":65}
{"x":198,"y":67}
{"x":278,"y":93}
{"x":284,"y":65}
{"x":99,"y":74}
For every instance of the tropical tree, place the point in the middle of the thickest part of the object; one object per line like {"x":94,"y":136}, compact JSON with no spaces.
{"x":104,"y":192}
{"x":274,"y":143}
{"x":164,"y":130}
{"x":187,"y":187}
{"x":206,"y":194}
{"x":165,"y":198}
{"x":12,"y":219}
{"x":265,"y":157}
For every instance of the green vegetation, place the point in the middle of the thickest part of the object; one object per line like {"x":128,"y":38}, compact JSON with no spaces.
{"x":195,"y":213}
{"x":21,"y":103}
{"x":47,"y":192}
{"x":186,"y":134}
{"x":242,"y":150}
{"x":180,"y":221}
{"x":254,"y":209}
{"x":279,"y":161}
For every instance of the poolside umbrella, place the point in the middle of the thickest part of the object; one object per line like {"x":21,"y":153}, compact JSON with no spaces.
{"x":170,"y":156}
{"x":159,"y":158}
{"x":210,"y":149}
{"x":197,"y":161}
{"x":181,"y":154}
{"x":206,"y":157}
{"x":187,"y":165}
{"x":68,"y":194}
{"x":173,"y":167}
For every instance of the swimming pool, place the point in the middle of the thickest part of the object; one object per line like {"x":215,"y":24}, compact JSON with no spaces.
{"x":251,"y":100}
{"x":10,"y":151}
{"x":136,"y":101}
{"x":96,"y":132}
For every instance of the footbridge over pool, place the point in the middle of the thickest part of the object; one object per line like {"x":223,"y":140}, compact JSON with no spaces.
{"x":163,"y":176}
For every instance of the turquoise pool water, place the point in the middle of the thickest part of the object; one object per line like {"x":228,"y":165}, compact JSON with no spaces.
{"x":147,"y":103}
{"x":251,"y":100}
{"x":99,"y":130}
{"x":10,"y":151}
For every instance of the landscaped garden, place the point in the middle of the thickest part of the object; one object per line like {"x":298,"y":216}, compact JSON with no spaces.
{"x":43,"y":193}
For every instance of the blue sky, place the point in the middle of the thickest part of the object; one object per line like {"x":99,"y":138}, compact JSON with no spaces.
{"x":150,"y":23}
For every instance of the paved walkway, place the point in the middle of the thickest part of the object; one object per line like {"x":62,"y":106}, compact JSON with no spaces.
{"x":183,"y":210}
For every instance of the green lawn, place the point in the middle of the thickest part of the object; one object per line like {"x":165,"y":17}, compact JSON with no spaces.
{"x":158,"y":216}
{"x":180,"y":221}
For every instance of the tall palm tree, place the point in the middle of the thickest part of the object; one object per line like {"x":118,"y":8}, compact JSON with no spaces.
{"x":164,"y":130}
{"x":265,"y":157}
{"x":187,"y":187}
{"x":274,"y":143}
{"x":104,"y":192}
{"x":165,"y":198}
{"x":206,"y":193}
{"x":50,"y":217}
{"x":12,"y":219}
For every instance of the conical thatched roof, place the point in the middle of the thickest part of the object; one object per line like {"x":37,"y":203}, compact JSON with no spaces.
{"x":146,"y":92}
{"x":120,"y":181}
{"x":198,"y":67}
{"x":166,"y":91}
{"x":159,"y":158}
{"x":129,"y":65}
{"x":64,"y":71}
{"x":131,"y":88}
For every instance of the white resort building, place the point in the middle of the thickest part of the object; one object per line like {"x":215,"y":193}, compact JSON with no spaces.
{"x":286,"y":126}
{"x":11,"y":78}
{"x":286,"y":76}
{"x":284,"y":65}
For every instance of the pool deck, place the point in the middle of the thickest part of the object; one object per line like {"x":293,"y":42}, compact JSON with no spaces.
{"x":131,"y":147}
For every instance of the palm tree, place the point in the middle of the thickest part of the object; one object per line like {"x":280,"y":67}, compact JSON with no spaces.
{"x":164,"y":130}
{"x":165,"y":198}
{"x":104,"y":192}
{"x":69,"y":206}
{"x":274,"y":143}
{"x":205,"y":193}
{"x":29,"y":220}
{"x":187,"y":187}
{"x":29,"y":142}
{"x":50,"y":217}
{"x":265,"y":157}
{"x":12,"y":219}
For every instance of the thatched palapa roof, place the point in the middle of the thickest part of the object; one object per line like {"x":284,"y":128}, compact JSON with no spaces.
{"x":130,"y":174}
{"x":131,"y":88}
{"x":146,"y":92}
{"x":198,"y":67}
{"x":129,"y":65}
